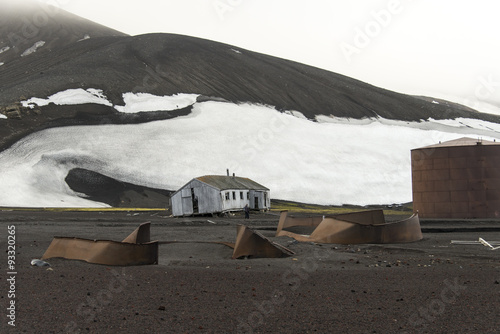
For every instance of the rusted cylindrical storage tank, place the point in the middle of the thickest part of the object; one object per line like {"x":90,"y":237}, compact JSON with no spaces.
{"x":457,"y":179}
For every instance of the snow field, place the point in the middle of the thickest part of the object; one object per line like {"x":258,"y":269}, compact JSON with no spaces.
{"x":332,"y":161}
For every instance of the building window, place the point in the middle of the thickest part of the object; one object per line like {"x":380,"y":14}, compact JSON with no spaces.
{"x":248,"y":195}
{"x":241,"y":194}
{"x":234,"y":195}
{"x":227,"y":195}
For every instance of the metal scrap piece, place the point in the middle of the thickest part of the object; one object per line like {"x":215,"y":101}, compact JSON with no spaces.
{"x":481,"y":241}
{"x":136,"y":249}
{"x":487,"y":244}
{"x":254,"y":244}
{"x":353,"y":228}
{"x":141,"y":235}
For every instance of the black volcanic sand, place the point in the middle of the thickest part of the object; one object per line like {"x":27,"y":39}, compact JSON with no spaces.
{"x":430,"y":286}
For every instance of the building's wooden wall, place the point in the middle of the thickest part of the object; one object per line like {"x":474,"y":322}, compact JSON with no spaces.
{"x":211,"y":200}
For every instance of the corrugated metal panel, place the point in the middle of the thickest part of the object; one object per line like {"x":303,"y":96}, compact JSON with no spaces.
{"x":230,"y":182}
{"x":209,"y":199}
{"x":176,"y":202}
{"x":187,"y":206}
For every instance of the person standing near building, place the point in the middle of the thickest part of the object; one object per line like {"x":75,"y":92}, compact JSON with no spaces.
{"x":247,"y":212}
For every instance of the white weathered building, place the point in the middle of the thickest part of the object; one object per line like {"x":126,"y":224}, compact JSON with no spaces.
{"x":217,"y":194}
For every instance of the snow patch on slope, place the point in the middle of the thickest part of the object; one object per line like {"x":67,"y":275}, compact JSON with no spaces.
{"x":33,"y":49}
{"x":70,"y":97}
{"x":146,"y":102}
{"x":134,"y":103}
{"x":4,"y":49}
{"x":465,"y":126}
{"x":354,"y":162}
{"x":86,"y":36}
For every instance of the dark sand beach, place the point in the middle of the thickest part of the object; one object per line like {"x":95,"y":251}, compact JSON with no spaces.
{"x":430,"y":286}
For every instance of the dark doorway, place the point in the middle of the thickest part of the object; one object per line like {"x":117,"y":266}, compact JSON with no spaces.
{"x":195,"y":201}
{"x":256,"y":203}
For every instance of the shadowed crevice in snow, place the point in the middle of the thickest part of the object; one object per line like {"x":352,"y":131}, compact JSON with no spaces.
{"x":100,"y":188}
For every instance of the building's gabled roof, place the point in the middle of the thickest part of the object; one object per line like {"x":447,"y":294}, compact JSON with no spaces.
{"x":465,"y":141}
{"x":222,"y":182}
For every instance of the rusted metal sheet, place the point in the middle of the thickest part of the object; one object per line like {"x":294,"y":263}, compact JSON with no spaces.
{"x":251,"y":243}
{"x":107,"y":252}
{"x":457,"y":179}
{"x":288,"y":221}
{"x":141,"y":235}
{"x":136,"y":249}
{"x":356,"y":228}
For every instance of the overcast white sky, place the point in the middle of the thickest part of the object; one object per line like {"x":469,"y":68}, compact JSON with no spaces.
{"x":445,"y":48}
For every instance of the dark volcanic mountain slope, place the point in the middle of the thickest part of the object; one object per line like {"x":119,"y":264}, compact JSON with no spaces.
{"x":166,"y":64}
{"x":169,"y":64}
{"x":25,"y":23}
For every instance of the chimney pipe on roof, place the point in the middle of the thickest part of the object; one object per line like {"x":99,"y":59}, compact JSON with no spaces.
{"x":227,"y":171}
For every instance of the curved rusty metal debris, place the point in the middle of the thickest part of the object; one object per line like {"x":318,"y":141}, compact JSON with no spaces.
{"x":352,"y":228}
{"x":250,"y":243}
{"x":141,"y":235}
{"x":136,"y":249}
